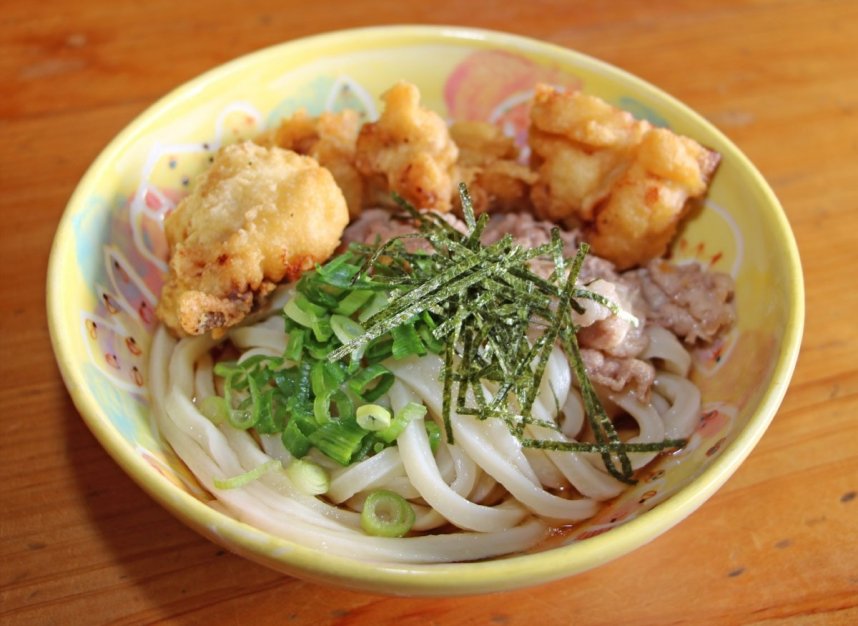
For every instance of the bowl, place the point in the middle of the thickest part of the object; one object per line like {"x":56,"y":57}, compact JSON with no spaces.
{"x":108,"y":262}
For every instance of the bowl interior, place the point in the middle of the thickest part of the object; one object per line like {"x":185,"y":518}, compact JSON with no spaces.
{"x":109,"y":255}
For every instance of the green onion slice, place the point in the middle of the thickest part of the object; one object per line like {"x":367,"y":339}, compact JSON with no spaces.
{"x":339,"y":440}
{"x":297,"y":314}
{"x":345,"y":328}
{"x":372,"y":417}
{"x":434,"y":434}
{"x":295,"y":344}
{"x":410,"y":411}
{"x":406,"y":341}
{"x":378,"y":302}
{"x":215,"y":409}
{"x":386,"y":514}
{"x":294,"y":440}
{"x":362,"y":382}
{"x":353,"y":301}
{"x":308,"y":477}
{"x":247,"y":477}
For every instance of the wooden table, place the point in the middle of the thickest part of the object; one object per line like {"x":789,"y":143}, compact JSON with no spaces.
{"x":80,"y":543}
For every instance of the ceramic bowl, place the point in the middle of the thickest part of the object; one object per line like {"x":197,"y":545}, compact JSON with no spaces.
{"x":108,"y":263}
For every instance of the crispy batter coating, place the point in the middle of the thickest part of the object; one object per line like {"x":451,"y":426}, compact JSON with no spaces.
{"x":409,"y":151}
{"x":488,"y":164}
{"x":625,"y":181}
{"x":255,"y":217}
{"x":330,"y":139}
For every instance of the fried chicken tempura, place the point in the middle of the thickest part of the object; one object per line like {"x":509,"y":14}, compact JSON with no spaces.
{"x":488,"y":164}
{"x":626,"y":182}
{"x":409,"y":151}
{"x":255,"y":217}
{"x":330,"y":139}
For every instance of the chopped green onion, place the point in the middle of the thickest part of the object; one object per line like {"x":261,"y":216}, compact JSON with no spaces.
{"x":308,"y":477}
{"x":410,"y":411}
{"x":344,"y":404}
{"x":324,"y":378}
{"x":353,"y":301}
{"x":317,"y":350}
{"x":297,"y":314}
{"x":372,"y":417}
{"x":242,"y":418}
{"x":378,"y":349}
{"x":367,"y":445}
{"x":272,"y":413}
{"x":295,"y":345}
{"x":215,"y":409}
{"x":294,"y":440}
{"x":250,"y":363}
{"x":304,"y":303}
{"x":406,"y":341}
{"x":317,"y":292}
{"x":362,"y":381}
{"x":376,"y":305}
{"x":322,"y":409}
{"x":338,"y":272}
{"x":338,"y":439}
{"x":434,"y":434}
{"x":386,"y":514}
{"x":225,"y":369}
{"x":247,"y":477}
{"x":247,"y":414}
{"x":345,"y":328}
{"x":432,"y":344}
{"x":322,"y":330}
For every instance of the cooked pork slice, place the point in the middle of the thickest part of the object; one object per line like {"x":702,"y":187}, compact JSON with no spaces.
{"x":617,"y":373}
{"x":689,"y":300}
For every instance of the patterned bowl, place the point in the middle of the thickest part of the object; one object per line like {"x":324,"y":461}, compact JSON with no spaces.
{"x":108,"y":262}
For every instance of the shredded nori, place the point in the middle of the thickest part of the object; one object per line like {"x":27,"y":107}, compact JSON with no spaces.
{"x":498,"y":320}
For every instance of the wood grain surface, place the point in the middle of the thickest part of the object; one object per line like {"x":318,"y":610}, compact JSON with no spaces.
{"x":80,"y":543}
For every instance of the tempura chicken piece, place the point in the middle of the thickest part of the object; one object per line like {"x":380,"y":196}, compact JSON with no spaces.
{"x":409,"y":151}
{"x":626,"y":182}
{"x":488,"y":165}
{"x":256,"y":216}
{"x":330,"y":139}
{"x":581,"y":145}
